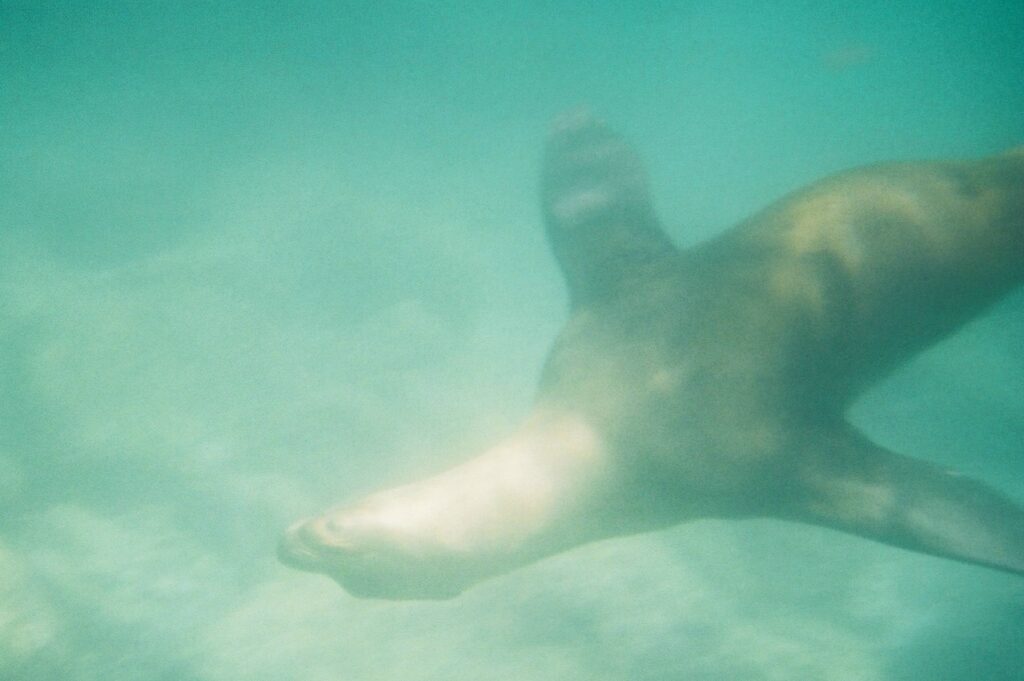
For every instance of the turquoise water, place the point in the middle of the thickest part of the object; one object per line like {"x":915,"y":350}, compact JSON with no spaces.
{"x":256,"y":259}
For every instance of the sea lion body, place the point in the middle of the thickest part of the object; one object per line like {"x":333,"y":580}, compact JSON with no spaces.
{"x":713,"y":381}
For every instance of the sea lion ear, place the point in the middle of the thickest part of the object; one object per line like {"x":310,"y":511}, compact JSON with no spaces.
{"x":597,"y":207}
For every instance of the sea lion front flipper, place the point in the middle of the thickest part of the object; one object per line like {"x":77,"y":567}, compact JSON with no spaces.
{"x":853,"y":485}
{"x":597,"y":207}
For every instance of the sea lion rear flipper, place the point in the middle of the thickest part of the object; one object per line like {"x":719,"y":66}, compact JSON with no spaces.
{"x":858,"y":487}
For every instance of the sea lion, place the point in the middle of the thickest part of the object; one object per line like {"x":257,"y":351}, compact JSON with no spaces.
{"x":713,"y":381}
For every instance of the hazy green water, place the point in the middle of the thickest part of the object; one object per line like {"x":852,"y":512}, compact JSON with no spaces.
{"x":254,"y":260}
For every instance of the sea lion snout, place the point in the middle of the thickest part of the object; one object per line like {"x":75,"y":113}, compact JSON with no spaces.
{"x":308,"y":544}
{"x":323,"y":544}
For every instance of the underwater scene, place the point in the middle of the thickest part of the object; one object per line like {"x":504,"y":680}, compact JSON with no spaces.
{"x":261,"y":260}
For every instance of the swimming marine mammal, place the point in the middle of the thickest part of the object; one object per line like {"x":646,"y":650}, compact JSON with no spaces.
{"x":713,"y":381}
